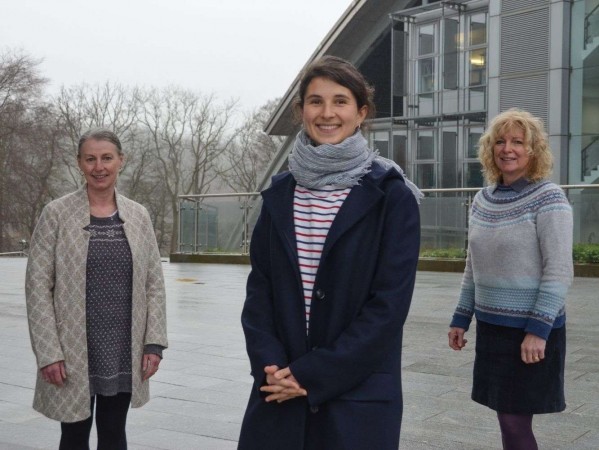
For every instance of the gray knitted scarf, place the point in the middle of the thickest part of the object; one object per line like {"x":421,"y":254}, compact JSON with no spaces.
{"x":342,"y":164}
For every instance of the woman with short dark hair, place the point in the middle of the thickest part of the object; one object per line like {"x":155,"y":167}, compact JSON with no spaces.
{"x":334,"y":257}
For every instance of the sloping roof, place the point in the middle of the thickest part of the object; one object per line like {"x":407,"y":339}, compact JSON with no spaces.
{"x":359,"y":26}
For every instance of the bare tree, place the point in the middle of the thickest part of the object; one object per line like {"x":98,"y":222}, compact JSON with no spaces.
{"x":142,"y":181}
{"x":252,"y":151}
{"x":85,"y":106}
{"x":189,"y":132}
{"x":20,"y":94}
{"x":34,"y":169}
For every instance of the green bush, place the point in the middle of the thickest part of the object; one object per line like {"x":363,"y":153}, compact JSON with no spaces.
{"x":586,"y":253}
{"x":581,"y":253}
{"x":451,"y":253}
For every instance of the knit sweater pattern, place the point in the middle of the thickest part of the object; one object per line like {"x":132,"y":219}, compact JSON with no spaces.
{"x":519,"y":264}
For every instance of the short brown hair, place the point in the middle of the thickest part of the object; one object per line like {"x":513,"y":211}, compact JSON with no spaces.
{"x":341,"y":72}
{"x":535,"y":141}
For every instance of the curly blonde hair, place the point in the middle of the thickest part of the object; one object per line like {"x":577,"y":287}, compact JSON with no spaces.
{"x":535,"y":141}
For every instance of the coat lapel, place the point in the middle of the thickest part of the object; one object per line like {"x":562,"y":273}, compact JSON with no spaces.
{"x":359,"y":201}
{"x":278,"y":199}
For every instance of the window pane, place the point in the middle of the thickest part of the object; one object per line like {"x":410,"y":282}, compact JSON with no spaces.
{"x":400,"y":68}
{"x":478,"y":67}
{"x":426,"y":148}
{"x":381,"y":143}
{"x":477,"y":98}
{"x":400,"y":155}
{"x":478,"y":29}
{"x":450,"y":54}
{"x":473,"y":175}
{"x":473,"y":137}
{"x":426,"y":70}
{"x":425,"y":176}
{"x":449,"y":167}
{"x":426,"y":40}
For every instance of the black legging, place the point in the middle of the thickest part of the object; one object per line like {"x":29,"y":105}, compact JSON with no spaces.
{"x":111,"y":418}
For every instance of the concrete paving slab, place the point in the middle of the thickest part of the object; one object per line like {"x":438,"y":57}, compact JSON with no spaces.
{"x":200,"y":392}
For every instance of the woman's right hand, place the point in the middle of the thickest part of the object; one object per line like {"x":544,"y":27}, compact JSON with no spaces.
{"x":54,"y":373}
{"x":456,"y":338}
{"x":281,"y":385}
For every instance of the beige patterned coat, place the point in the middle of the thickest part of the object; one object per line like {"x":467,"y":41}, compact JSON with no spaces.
{"x":55,"y":295}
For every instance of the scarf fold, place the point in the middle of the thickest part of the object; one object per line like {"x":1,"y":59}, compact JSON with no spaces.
{"x":342,"y":164}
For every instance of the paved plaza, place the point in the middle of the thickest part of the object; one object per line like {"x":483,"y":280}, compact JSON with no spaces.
{"x":200,"y":391}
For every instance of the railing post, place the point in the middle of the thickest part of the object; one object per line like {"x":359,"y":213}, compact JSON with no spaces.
{"x":196,"y":227}
{"x":180,"y":213}
{"x":244,"y":226}
{"x":467,"y":204}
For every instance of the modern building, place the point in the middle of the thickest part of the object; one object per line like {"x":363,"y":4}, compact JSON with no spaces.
{"x":443,"y":69}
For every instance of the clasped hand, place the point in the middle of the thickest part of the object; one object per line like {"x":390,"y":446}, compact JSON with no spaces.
{"x":281,"y":385}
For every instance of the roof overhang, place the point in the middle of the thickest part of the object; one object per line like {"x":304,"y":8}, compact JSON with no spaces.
{"x":350,"y":38}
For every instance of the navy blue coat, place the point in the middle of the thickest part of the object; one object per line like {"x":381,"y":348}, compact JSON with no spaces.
{"x":350,"y":362}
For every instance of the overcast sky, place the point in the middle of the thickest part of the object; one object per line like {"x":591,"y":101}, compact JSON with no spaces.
{"x":246,"y":49}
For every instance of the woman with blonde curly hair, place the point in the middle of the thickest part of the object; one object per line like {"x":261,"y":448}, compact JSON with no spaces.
{"x":518,"y":270}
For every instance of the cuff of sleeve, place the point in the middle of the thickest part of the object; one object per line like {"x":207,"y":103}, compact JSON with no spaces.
{"x":460,"y":321}
{"x":537,"y":328}
{"x":153,"y":349}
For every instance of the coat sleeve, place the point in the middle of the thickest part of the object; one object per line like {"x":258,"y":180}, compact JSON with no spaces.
{"x":155,"y":292}
{"x":376,"y":332}
{"x":39,"y":290}
{"x":257,"y":318}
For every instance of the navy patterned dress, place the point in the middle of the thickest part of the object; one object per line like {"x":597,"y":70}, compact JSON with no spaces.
{"x":109,"y":293}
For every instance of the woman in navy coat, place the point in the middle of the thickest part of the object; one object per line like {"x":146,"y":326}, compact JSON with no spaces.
{"x":334,"y":257}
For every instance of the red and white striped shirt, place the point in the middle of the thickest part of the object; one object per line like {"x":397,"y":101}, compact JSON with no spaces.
{"x":313,"y":213}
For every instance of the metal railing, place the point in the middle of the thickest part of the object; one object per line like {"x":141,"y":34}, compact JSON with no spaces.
{"x":216,"y":223}
{"x":19,"y":253}
{"x":223,"y":223}
{"x":591,"y":25}
{"x":589,"y":156}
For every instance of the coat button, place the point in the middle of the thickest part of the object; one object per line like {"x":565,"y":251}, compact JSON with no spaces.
{"x":320,"y":294}
{"x":313,"y":409}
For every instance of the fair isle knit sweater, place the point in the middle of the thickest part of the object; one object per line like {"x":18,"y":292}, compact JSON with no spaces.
{"x":519,"y":263}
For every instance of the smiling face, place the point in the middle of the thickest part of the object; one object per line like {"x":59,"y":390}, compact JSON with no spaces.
{"x":330,"y":113}
{"x":511,"y":155}
{"x":100,"y":163}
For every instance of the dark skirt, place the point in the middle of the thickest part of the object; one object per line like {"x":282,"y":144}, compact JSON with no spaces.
{"x":506,"y":384}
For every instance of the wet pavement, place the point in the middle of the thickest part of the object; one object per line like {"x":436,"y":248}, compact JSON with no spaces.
{"x":200,"y":391}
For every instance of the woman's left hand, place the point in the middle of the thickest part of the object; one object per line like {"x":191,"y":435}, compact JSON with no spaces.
{"x":149,"y":365}
{"x":532,"y":349}
{"x":282,"y":385}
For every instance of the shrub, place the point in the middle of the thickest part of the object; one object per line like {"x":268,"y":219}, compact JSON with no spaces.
{"x":581,"y":253}
{"x":451,"y":253}
{"x":586,"y":253}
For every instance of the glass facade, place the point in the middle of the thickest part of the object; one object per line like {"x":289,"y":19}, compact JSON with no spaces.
{"x":438,"y":110}
{"x":584,"y":93}
{"x":583,"y":151}
{"x":439,"y":90}
{"x":432,"y":98}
